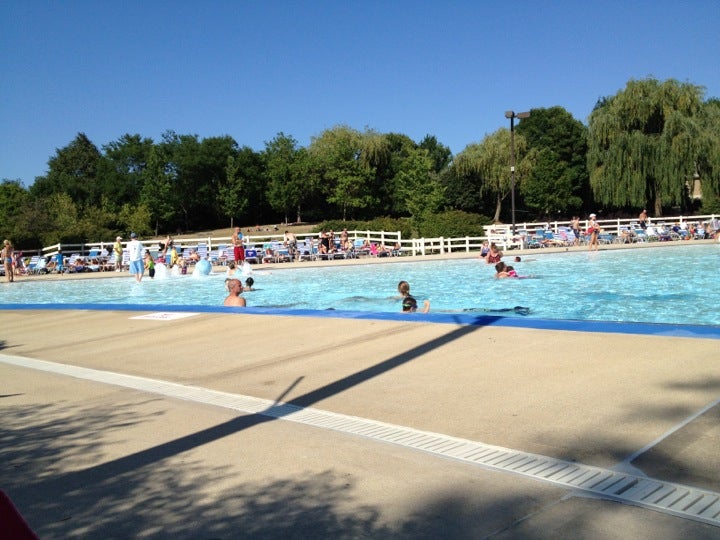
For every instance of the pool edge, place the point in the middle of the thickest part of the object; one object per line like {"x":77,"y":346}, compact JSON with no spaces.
{"x":568,"y":325}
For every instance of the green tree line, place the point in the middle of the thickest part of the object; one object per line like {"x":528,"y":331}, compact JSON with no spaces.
{"x":643,"y":147}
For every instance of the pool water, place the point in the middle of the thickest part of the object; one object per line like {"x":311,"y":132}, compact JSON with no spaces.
{"x":677,"y":284}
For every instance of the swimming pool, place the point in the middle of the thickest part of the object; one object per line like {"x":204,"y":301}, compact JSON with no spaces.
{"x":676,"y":285}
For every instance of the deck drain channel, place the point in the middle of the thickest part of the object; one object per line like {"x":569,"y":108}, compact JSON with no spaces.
{"x":667,"y":497}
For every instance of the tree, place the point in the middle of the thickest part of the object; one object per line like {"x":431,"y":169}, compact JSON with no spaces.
{"x":439,"y":154}
{"x":708,"y":161}
{"x":136,"y":218}
{"x":13,"y":199}
{"x":345,"y":177}
{"x":63,"y":216}
{"x":420,"y":187}
{"x":195,"y":170}
{"x":550,"y":189}
{"x":232,"y":193}
{"x":488,"y":165}
{"x":121,"y":175}
{"x":644,"y":144}
{"x":559,"y":180}
{"x":158,"y":194}
{"x":291,"y":178}
{"x":73,"y":171}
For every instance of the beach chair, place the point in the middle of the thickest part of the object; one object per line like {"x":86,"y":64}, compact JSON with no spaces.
{"x":303,"y":251}
{"x":32,"y":264}
{"x":93,"y":265}
{"x":268,"y":255}
{"x":72,"y":261}
{"x":229,"y":255}
{"x":281,"y":253}
{"x":40,"y":267}
{"x":251,"y":255}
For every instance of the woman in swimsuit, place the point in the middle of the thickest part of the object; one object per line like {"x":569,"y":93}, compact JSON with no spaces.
{"x":594,"y":231}
{"x":8,"y":256}
{"x":494,"y":255}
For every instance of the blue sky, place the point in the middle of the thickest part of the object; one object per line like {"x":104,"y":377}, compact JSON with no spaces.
{"x":253,"y":69}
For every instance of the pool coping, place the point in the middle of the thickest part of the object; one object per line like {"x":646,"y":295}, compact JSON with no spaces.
{"x":463,"y":319}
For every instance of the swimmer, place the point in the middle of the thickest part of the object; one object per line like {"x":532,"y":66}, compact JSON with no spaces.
{"x":231,"y":269}
{"x":501,"y":270}
{"x":404,"y":289}
{"x":249,"y":282}
{"x":409,"y":304}
{"x":494,"y":254}
{"x":235,"y":290}
{"x":508,"y":272}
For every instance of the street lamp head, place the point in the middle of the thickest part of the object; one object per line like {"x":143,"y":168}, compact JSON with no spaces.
{"x":509,"y":114}
{"x":522,"y":114}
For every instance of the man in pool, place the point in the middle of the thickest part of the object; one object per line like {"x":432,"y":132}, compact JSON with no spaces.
{"x":235,"y":289}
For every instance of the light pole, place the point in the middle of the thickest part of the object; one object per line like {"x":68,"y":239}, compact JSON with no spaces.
{"x":512,"y":115}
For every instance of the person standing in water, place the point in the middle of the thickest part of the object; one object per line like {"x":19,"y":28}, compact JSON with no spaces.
{"x":235,"y":289}
{"x":409,"y":304}
{"x":135,"y":253}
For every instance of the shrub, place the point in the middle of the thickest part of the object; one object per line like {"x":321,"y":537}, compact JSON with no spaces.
{"x":710,"y":206}
{"x":377,"y":224}
{"x":454,"y":224}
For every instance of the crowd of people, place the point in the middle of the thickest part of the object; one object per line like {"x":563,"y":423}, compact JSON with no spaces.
{"x":328,"y":245}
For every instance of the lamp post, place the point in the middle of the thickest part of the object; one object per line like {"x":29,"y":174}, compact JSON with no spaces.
{"x":512,"y":115}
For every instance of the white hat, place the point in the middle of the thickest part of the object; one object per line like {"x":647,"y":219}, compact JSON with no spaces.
{"x":593,"y":215}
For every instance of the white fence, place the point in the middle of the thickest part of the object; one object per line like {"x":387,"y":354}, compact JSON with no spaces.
{"x":500,"y":234}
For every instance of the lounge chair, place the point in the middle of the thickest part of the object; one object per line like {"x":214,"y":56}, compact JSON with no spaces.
{"x":251,"y":255}
{"x":360,"y":249}
{"x":32,"y":264}
{"x":228,"y":255}
{"x":268,"y":254}
{"x":305,"y":252}
{"x":281,"y":253}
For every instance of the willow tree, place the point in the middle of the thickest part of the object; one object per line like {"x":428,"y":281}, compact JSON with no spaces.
{"x":644,"y":143}
{"x":488,"y":165}
{"x":708,"y":163}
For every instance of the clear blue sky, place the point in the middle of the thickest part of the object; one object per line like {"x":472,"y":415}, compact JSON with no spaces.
{"x":252,"y":69}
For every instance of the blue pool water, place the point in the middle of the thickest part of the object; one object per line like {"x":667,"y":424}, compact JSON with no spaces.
{"x":677,"y":284}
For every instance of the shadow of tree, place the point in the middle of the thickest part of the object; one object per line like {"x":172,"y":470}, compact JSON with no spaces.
{"x":687,"y":456}
{"x":156,"y":498}
{"x":144,"y":493}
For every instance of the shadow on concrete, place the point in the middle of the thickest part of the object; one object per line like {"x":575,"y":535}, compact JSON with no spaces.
{"x":686,"y":456}
{"x":143,"y":493}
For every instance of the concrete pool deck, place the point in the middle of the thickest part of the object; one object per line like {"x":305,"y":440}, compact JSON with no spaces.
{"x":84,"y":457}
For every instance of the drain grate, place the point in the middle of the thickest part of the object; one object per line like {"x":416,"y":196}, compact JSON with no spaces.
{"x":675,"y":499}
